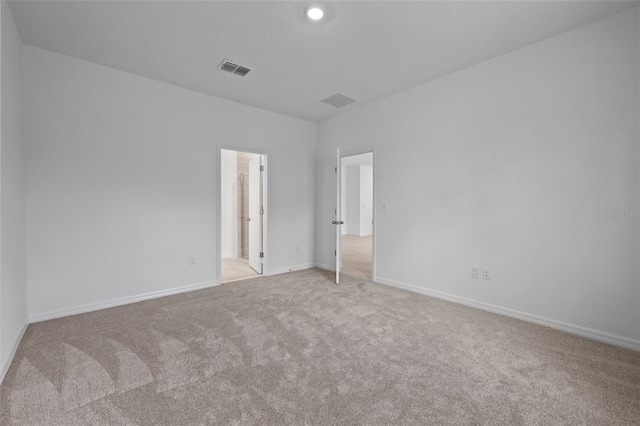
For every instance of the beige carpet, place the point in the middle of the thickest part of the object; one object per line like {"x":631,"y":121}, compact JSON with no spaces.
{"x":298,"y":349}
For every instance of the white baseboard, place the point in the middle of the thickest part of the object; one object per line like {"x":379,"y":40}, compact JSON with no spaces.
{"x":323,"y":266}
{"x":7,"y":362}
{"x":291,"y":269}
{"x":118,"y":302}
{"x":601,"y":336}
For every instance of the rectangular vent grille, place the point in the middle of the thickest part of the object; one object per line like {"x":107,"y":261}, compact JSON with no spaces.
{"x":242,"y":71}
{"x":338,"y":100}
{"x":233,"y":68}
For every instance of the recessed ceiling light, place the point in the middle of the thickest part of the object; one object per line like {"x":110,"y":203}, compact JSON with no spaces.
{"x":314,"y":12}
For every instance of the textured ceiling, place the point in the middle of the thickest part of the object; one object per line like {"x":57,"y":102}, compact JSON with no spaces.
{"x":365,"y":50}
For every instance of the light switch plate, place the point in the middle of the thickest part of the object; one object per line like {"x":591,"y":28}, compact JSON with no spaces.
{"x":475,"y":272}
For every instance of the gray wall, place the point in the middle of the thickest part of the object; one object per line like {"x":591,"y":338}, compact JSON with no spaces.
{"x":13,"y":280}
{"x":515,"y":164}
{"x":122,"y":177}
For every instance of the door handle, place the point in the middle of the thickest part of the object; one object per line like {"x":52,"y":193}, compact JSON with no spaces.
{"x":335,"y":222}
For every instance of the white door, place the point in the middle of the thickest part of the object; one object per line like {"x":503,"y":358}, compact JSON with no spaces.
{"x":255,"y":215}
{"x":338,"y":222}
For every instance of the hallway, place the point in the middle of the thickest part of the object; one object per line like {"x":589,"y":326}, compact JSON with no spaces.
{"x":357,"y":253}
{"x":236,"y":269}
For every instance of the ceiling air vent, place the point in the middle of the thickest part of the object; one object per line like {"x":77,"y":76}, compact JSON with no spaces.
{"x":338,"y":100}
{"x":233,"y":68}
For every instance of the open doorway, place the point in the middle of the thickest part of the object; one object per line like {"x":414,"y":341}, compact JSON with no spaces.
{"x":242,"y":212}
{"x":356,"y":204}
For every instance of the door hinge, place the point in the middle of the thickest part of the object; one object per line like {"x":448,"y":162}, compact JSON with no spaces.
{"x":262,"y":168}
{"x":335,"y":211}
{"x":336,"y":169}
{"x":335,"y":252}
{"x":261,"y":210}
{"x":261,"y":254}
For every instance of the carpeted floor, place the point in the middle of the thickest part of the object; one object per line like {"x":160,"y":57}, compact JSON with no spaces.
{"x":298,"y":349}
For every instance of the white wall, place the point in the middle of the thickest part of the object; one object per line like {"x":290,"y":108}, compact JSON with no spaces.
{"x":352,"y":205}
{"x":229,"y":204}
{"x":343,"y":200}
{"x":13,"y":281}
{"x":357,"y":200}
{"x":122,"y":176}
{"x":516,"y":160}
{"x":366,"y":200}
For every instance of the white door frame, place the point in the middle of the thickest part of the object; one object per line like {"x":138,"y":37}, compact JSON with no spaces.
{"x":350,"y":153}
{"x":265,"y":203}
{"x":255,"y":215}
{"x":338,"y":222}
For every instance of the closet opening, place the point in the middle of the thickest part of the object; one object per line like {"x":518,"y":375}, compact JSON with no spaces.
{"x":242,"y":214}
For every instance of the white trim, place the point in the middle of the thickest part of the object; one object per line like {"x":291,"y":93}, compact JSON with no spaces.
{"x":241,"y":279}
{"x":590,"y":333}
{"x":326,"y":267}
{"x":265,"y":203}
{"x":350,"y":153}
{"x":374,"y":201}
{"x":7,"y":363}
{"x":118,"y":302}
{"x":338,"y":227}
{"x":291,"y":269}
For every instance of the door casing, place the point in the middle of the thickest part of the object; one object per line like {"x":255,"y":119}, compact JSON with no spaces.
{"x":265,"y":203}
{"x":342,"y":153}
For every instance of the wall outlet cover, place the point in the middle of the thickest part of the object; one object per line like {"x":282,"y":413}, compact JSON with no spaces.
{"x":475,"y":272}
{"x":486,"y":273}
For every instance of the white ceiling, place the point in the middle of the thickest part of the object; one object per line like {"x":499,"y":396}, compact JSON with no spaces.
{"x":365,"y":50}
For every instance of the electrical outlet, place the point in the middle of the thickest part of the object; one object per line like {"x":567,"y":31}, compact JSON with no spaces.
{"x":383,"y":207}
{"x":475,"y":272}
{"x":486,"y":273}
{"x":192,"y":261}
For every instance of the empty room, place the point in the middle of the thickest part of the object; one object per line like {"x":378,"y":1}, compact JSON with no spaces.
{"x":319,"y":213}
